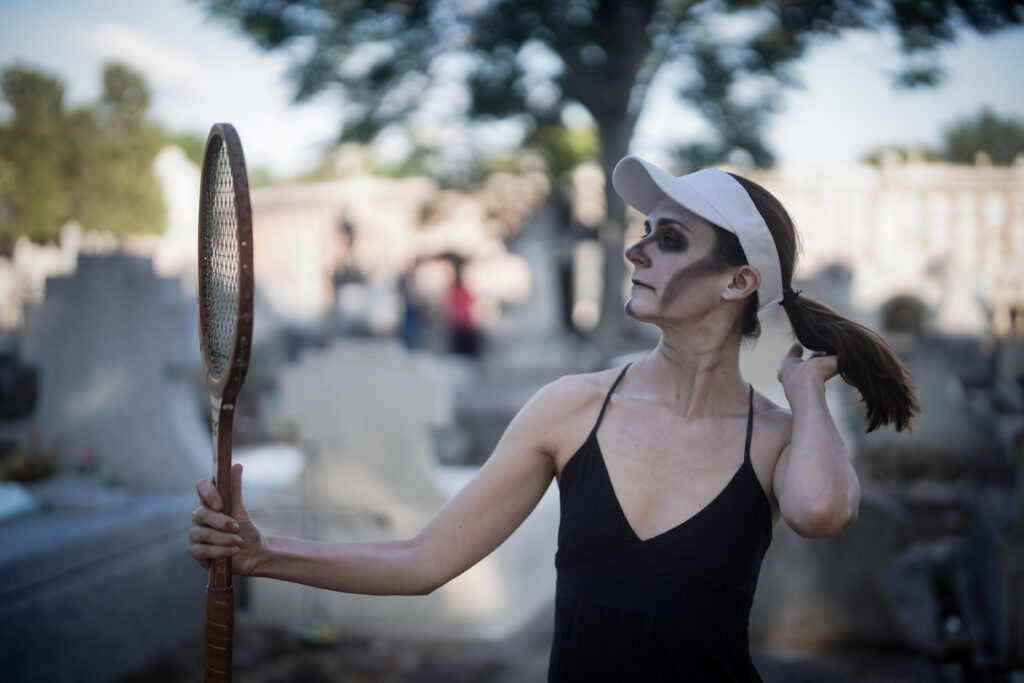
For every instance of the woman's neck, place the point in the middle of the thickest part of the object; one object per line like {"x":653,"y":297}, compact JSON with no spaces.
{"x":694,"y":375}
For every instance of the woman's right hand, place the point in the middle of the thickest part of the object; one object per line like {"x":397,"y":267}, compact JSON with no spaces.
{"x":215,"y":534}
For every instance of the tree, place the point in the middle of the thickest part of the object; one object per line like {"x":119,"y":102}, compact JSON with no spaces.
{"x":1001,"y":138}
{"x":116,"y":190}
{"x":34,"y":157}
{"x":90,"y":164}
{"x":878,"y":155}
{"x":192,"y":144}
{"x":529,"y":59}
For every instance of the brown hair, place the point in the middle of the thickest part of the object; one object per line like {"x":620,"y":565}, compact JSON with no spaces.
{"x":865,"y":360}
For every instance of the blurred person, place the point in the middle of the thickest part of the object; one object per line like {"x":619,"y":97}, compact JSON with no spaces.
{"x":672,"y":470}
{"x":412,"y":310}
{"x":464,"y":335}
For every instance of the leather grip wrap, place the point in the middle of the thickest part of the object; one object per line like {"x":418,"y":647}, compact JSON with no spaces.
{"x":220,"y":621}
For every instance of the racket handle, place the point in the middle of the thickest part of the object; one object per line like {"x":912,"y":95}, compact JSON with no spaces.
{"x":220,"y":623}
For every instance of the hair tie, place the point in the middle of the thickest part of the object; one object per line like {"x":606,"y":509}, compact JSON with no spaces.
{"x":789,"y":296}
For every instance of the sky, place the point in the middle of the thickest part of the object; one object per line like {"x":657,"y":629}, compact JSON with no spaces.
{"x":201,"y":71}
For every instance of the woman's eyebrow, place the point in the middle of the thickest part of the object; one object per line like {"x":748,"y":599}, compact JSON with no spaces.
{"x":667,"y":221}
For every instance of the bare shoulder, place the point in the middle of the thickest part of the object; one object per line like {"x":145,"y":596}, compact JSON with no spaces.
{"x":566,"y":409}
{"x":582,"y":387}
{"x":775,"y":420}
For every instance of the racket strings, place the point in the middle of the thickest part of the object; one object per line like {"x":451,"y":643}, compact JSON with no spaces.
{"x":222,"y":258}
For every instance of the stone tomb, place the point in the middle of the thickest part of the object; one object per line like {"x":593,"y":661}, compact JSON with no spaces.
{"x":367,"y":412}
{"x":95,"y":581}
{"x":118,"y":354}
{"x":88,"y":596}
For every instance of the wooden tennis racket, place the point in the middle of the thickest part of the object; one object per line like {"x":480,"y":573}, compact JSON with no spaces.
{"x":225,"y":335}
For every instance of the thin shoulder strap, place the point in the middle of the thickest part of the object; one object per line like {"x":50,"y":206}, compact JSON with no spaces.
{"x":750,"y":425}
{"x":609,"y":396}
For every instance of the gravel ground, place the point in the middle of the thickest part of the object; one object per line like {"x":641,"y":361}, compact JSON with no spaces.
{"x":268,"y":655}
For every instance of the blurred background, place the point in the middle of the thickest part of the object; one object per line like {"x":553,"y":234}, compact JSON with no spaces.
{"x":434,"y":241}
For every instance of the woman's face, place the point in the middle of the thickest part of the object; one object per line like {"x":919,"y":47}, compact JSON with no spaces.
{"x":677,"y":272}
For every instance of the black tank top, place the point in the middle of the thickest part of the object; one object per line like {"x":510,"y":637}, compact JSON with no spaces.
{"x":673,"y":607}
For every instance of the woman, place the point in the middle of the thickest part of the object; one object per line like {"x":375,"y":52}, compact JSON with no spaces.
{"x":672,"y":470}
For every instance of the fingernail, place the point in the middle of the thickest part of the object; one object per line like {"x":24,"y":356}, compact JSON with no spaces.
{"x":237,"y":539}
{"x":234,"y":526}
{"x":234,"y":549}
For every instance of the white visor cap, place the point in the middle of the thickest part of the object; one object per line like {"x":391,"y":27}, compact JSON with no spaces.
{"x":715,"y":196}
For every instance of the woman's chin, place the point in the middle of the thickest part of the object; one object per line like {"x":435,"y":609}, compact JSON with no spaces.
{"x":636,"y":310}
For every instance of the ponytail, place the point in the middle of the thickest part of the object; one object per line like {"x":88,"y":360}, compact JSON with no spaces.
{"x":865,"y":360}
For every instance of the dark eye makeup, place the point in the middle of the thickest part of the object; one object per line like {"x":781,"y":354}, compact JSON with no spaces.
{"x":670,"y":237}
{"x":672,"y":240}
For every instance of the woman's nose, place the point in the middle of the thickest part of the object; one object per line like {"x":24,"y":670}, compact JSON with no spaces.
{"x":635,"y":254}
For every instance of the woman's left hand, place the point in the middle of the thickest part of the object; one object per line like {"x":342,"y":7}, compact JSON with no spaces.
{"x":817,"y":368}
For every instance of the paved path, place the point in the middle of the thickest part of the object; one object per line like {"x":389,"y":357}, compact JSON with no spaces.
{"x":264,"y":655}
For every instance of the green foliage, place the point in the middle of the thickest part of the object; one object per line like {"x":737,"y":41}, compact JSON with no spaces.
{"x":1001,"y":138}
{"x":902,"y":152}
{"x":194,"y":147}
{"x":564,"y":148}
{"x":737,"y":125}
{"x":528,"y":60}
{"x":260,"y":176}
{"x":560,"y":148}
{"x":925,"y":26}
{"x":117,"y":191}
{"x":36,"y":160}
{"x":90,"y":164}
{"x":192,"y":144}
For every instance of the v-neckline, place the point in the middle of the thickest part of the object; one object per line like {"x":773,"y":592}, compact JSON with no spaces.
{"x":672,"y":529}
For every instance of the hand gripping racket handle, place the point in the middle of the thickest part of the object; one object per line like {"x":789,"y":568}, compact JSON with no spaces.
{"x":220,"y":600}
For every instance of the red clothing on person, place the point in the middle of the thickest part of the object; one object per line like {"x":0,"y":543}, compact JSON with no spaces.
{"x":459,"y":305}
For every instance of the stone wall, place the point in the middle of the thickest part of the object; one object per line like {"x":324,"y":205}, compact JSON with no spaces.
{"x":949,"y":235}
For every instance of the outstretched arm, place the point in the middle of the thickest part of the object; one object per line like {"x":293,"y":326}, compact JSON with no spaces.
{"x":817,"y":488}
{"x":472,"y":524}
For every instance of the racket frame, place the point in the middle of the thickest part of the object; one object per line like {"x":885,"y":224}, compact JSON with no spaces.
{"x":226,"y":385}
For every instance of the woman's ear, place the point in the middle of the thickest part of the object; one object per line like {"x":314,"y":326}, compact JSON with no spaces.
{"x":745,"y":281}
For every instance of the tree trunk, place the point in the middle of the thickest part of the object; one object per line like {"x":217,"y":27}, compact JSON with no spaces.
{"x":615,"y":135}
{"x":606,"y":90}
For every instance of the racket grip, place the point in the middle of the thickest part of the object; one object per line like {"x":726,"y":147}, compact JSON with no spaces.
{"x":220,"y":623}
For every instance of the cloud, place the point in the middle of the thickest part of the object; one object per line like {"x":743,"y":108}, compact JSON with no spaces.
{"x":164,"y":65}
